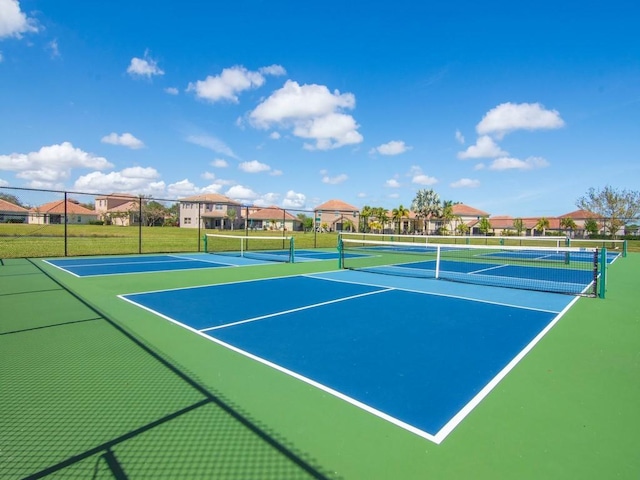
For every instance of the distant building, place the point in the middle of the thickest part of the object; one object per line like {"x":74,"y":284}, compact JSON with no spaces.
{"x":335,"y":216}
{"x":272,"y":218}
{"x":119,"y":209}
{"x":212,"y":210}
{"x":54,"y":213}
{"x":12,"y":213}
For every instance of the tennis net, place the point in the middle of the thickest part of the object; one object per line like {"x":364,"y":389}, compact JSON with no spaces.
{"x":570,"y":270}
{"x":273,"y":249}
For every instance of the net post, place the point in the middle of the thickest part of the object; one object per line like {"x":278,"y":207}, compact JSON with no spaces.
{"x":624,"y":248}
{"x":340,"y":253}
{"x":438,"y":248}
{"x":291,"y":250}
{"x":204,"y":243}
{"x":603,"y":273}
{"x":567,"y":242}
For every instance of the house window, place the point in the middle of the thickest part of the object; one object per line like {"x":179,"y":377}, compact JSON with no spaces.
{"x":187,"y":220}
{"x":218,"y":207}
{"x":79,"y":219}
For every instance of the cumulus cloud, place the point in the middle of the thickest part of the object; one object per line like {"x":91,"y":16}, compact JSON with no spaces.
{"x":485,"y":147}
{"x":392,"y":183}
{"x":3,"y":183}
{"x":254,"y":166}
{"x":267,"y":200}
{"x":275,"y":135}
{"x":144,"y":67}
{"x":13,"y":21}
{"x":138,"y":180}
{"x":394,"y":147}
{"x":126,"y":140}
{"x":465,"y":183}
{"x":311,"y":112}
{"x":419,"y":178}
{"x":171,"y":90}
{"x":509,"y":163}
{"x":212,"y":143}
{"x":459,"y":137}
{"x":52,"y":164}
{"x":508,"y":117}
{"x":219,"y":163}
{"x":294,"y":200}
{"x":241,"y":194}
{"x":334,"y":180}
{"x":231,"y":82}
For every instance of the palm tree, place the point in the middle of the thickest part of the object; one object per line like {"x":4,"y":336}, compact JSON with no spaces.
{"x":568,"y":223}
{"x":542,"y":225}
{"x":518,"y":225}
{"x":446,"y":216}
{"x":397,"y":214}
{"x":365,"y":213}
{"x":426,"y":204}
{"x":484,"y":226}
{"x":231,"y":215}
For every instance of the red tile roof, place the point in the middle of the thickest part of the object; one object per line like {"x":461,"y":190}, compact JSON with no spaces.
{"x":336,"y":205}
{"x":463,"y":210}
{"x":271,"y":213}
{"x":210,"y":198}
{"x":11,"y":207}
{"x":57,"y":207}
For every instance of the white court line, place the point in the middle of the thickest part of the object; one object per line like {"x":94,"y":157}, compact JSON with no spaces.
{"x":306,"y":307}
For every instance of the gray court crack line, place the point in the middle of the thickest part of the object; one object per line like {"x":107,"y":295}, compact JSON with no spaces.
{"x":306,"y":307}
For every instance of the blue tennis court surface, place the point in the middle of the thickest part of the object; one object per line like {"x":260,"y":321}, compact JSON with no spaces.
{"x":418,"y":358}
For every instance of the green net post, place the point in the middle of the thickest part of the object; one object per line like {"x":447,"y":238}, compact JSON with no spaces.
{"x":292,"y":250}
{"x":602,"y":288}
{"x":468,"y":240}
{"x":624,"y":248}
{"x":340,"y":253}
{"x":204,"y":242}
{"x":567,"y":242}
{"x":501,"y":241}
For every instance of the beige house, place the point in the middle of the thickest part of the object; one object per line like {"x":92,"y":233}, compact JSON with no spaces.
{"x":272,"y":218}
{"x":54,"y":213}
{"x":12,"y":213}
{"x":211,"y":211}
{"x":121,"y":209}
{"x":336,"y":215}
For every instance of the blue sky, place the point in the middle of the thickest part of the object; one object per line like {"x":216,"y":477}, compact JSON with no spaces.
{"x":513,"y":108}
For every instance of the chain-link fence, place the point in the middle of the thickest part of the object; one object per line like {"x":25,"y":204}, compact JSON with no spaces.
{"x":52,"y":223}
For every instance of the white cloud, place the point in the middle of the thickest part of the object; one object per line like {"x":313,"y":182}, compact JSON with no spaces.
{"x":212,"y":143}
{"x":231,"y":82}
{"x":53,"y":48}
{"x":509,"y":163}
{"x":267,"y":200}
{"x":219,"y":163}
{"x":392,"y":183}
{"x":312,"y":112}
{"x":465,"y":183}
{"x":171,"y":90}
{"x":275,"y":70}
{"x":459,"y":137}
{"x":144,"y":67}
{"x":254,"y":166}
{"x":241,"y":194}
{"x":275,"y":135}
{"x":137,"y":180}
{"x":52,"y":164}
{"x":485,"y":147}
{"x":393,"y":195}
{"x":208,"y":176}
{"x":3,"y":183}
{"x":126,"y":140}
{"x":1,"y":57}
{"x":334,"y":180}
{"x":508,"y":117}
{"x":419,"y":178}
{"x":394,"y":147}
{"x":424,"y":180}
{"x":294,"y":200}
{"x":275,"y":173}
{"x":13,"y":22}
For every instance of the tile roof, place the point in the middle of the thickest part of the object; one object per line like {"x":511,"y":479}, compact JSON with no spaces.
{"x":11,"y":207}
{"x":210,"y":198}
{"x":57,"y":207}
{"x":580,"y":215}
{"x":466,"y":211}
{"x":271,"y":213}
{"x":336,"y":205}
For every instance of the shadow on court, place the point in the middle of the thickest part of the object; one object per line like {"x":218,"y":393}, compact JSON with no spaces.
{"x":84,"y":398}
